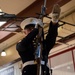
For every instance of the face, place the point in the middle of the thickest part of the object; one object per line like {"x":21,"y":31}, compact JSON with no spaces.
{"x":26,"y":32}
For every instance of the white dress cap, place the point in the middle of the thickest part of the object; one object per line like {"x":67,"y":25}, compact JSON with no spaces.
{"x":31,"y":20}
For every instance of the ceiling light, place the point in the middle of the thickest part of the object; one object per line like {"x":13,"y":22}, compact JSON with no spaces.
{"x":3,"y":53}
{"x":1,"y":12}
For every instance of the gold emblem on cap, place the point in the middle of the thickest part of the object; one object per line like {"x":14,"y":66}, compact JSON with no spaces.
{"x":31,"y":20}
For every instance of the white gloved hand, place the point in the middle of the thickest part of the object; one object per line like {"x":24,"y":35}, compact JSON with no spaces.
{"x":39,"y":23}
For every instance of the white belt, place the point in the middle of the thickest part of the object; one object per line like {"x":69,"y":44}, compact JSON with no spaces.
{"x":32,"y":63}
{"x":29,"y":63}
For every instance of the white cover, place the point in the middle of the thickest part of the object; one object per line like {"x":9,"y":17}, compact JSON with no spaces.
{"x":31,"y":21}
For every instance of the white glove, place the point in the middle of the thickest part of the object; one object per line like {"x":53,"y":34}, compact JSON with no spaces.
{"x":39,"y":23}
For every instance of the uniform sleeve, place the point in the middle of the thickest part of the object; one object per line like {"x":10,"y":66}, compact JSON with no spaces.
{"x":27,"y":40}
{"x":51,"y":36}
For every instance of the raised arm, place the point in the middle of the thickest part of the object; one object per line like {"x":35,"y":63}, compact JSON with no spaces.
{"x":27,"y":40}
{"x":51,"y":36}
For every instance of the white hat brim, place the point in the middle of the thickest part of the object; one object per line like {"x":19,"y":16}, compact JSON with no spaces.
{"x":30,"y":21}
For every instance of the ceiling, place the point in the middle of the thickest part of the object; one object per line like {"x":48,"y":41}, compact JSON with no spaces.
{"x":10,"y":34}
{"x":14,"y":6}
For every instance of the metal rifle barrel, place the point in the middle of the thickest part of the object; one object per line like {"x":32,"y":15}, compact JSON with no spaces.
{"x":45,"y":3}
